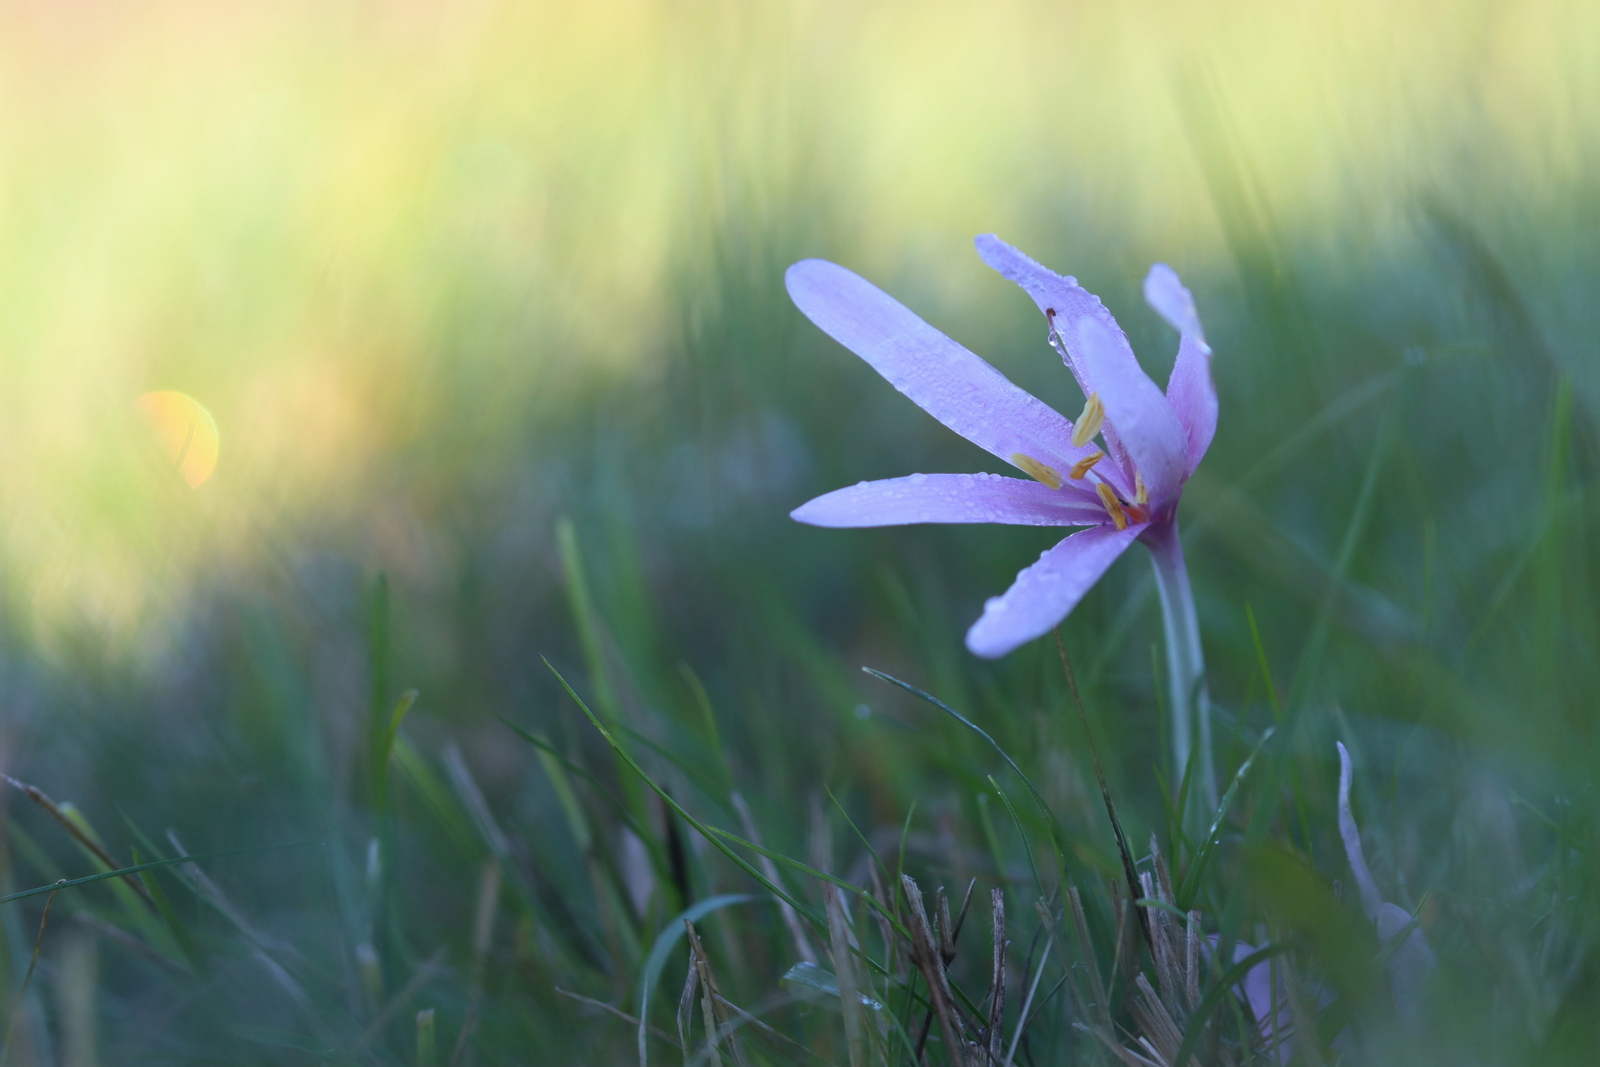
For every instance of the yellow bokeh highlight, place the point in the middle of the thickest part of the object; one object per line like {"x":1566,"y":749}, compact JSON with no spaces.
{"x":186,"y":432}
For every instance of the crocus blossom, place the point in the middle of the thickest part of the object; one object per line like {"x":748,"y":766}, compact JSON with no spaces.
{"x":1411,"y":961}
{"x":1123,"y":489}
{"x":1267,"y":993}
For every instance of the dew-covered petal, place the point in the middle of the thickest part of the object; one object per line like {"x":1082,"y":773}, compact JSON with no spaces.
{"x":947,"y":381}
{"x":1142,"y":432}
{"x":1149,"y":432}
{"x":1190,"y":389}
{"x":953,"y":498}
{"x":1046,"y":592}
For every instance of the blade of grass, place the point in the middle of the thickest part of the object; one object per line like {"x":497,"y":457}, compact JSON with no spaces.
{"x":573,"y":767}
{"x":713,"y":837}
{"x":180,"y":932}
{"x":844,"y":969}
{"x":1261,"y":662}
{"x":664,"y":944}
{"x":1213,"y":998}
{"x":1189,"y":888}
{"x":80,"y":830}
{"x":124,"y":872}
{"x":708,"y":717}
{"x":1022,"y":833}
{"x":866,"y":844}
{"x":386,"y":729}
{"x":1316,"y":643}
{"x":1128,"y":869}
{"x":1056,"y":833}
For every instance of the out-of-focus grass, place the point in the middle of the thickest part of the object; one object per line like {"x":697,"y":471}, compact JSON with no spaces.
{"x":445,"y":276}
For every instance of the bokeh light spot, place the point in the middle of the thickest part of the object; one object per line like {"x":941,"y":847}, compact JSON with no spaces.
{"x":185,"y":430}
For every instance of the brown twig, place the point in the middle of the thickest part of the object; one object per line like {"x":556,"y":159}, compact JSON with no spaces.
{"x":708,"y":1005}
{"x":997,"y":1005}
{"x":844,"y":969}
{"x":1081,"y":926}
{"x":685,"y":1016}
{"x":926,"y":955}
{"x":38,"y":942}
{"x":711,"y":995}
{"x":654,"y":1031}
{"x":948,"y":936}
{"x":41,"y":798}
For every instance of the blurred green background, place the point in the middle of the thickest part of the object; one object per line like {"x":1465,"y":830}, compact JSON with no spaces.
{"x":451,"y":278}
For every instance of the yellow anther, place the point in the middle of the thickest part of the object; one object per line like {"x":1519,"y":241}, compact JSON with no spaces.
{"x":1113,"y":505}
{"x":1088,"y":424}
{"x":1141,"y":495}
{"x":1039,"y":472}
{"x":1080,"y":468}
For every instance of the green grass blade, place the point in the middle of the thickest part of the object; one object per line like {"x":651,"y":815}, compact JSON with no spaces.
{"x":1189,"y":888}
{"x":1209,"y":1003}
{"x":667,"y":940}
{"x":1038,"y":798}
{"x":123,"y":872}
{"x":180,"y":932}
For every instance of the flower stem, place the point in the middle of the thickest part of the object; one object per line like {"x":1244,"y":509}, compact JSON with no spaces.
{"x":1186,"y":666}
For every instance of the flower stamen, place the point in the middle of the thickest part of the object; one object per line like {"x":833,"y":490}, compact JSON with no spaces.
{"x":1039,"y":472}
{"x":1141,"y":495}
{"x":1113,"y":505}
{"x":1080,"y":468}
{"x":1089,"y":423}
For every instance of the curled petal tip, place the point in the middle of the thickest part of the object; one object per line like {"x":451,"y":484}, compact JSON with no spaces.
{"x":1016,"y":265}
{"x":1047,"y":591}
{"x":1166,"y":293}
{"x":805,"y":272}
{"x":986,"y":651}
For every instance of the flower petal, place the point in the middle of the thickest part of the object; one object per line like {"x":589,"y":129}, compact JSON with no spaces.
{"x":1142,"y":430}
{"x":1150,"y":434}
{"x":944,"y":379}
{"x":953,"y":498}
{"x":1258,"y":989}
{"x":1371,"y":902}
{"x":1190,"y":390}
{"x":1046,"y":592}
{"x":1412,"y":961}
{"x":1411,"y":964}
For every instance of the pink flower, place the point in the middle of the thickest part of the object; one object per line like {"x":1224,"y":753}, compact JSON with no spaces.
{"x":1124,"y":489}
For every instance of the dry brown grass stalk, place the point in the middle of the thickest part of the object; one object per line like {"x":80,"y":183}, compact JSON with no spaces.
{"x":925,"y":954}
